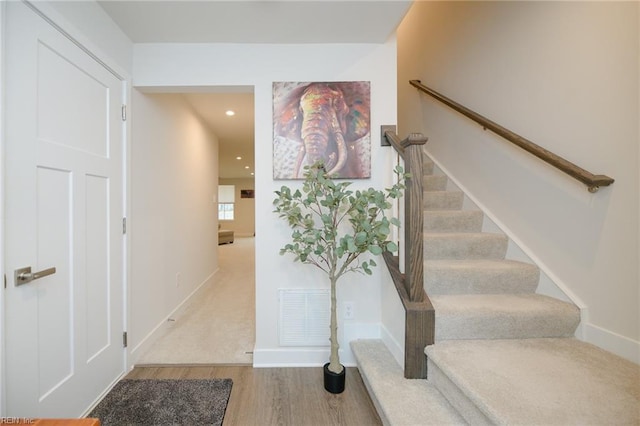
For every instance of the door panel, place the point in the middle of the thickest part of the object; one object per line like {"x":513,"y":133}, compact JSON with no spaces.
{"x":97,"y":265}
{"x":57,"y":77}
{"x":53,"y":231}
{"x":64,"y":206}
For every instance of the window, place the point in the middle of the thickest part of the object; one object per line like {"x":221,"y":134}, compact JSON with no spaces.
{"x":225,"y":211}
{"x":226,"y":199}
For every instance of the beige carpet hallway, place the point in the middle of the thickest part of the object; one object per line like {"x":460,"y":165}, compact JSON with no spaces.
{"x":219,"y":326}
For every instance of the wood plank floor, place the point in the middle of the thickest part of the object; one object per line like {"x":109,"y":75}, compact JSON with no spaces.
{"x":279,"y":396}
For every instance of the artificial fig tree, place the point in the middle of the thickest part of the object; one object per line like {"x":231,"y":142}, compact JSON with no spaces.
{"x":333,"y":226}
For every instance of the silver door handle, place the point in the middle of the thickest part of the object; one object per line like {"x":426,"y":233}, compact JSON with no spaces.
{"x":24,"y":275}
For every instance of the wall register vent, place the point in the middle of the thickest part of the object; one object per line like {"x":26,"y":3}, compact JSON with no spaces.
{"x":304,"y":317}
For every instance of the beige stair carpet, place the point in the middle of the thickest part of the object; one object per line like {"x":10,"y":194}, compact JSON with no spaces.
{"x":219,"y":326}
{"x":538,"y":382}
{"x":481,"y":298}
{"x":400,"y":401}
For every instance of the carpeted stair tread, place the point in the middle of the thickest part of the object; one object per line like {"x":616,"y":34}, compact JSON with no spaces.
{"x":502,"y":316}
{"x":481,"y":276}
{"x":536,"y":382}
{"x":434,"y":182}
{"x":443,"y":200}
{"x":399,"y":401}
{"x":503,"y":354}
{"x":469,"y":245}
{"x":453,"y":220}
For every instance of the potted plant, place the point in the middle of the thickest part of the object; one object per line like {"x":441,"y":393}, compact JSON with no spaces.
{"x":333,"y":227}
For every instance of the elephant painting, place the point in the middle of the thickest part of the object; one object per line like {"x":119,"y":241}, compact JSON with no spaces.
{"x":327,"y":122}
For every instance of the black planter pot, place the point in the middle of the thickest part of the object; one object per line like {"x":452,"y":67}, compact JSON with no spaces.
{"x":334,"y":382}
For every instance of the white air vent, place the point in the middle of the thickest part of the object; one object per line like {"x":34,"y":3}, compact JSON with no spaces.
{"x":304,"y":317}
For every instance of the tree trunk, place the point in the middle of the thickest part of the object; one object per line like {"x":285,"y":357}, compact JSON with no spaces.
{"x":334,"y":359}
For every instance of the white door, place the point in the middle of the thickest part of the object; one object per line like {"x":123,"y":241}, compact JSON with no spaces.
{"x":64,"y":208}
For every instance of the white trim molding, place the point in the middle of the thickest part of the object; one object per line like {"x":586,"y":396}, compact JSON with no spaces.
{"x":612,"y":342}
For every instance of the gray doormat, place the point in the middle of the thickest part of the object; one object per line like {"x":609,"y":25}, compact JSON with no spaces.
{"x":151,"y":402}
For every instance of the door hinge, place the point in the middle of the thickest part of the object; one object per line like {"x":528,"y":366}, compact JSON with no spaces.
{"x":124,"y":113}
{"x":124,"y":339}
{"x":5,"y":280}
{"x":124,"y":225}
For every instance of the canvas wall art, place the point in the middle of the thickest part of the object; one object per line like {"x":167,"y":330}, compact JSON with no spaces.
{"x":322,"y":121}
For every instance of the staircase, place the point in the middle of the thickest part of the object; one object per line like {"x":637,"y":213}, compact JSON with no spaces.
{"x":502,"y":354}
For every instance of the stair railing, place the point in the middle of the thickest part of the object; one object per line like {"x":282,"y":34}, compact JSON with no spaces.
{"x":419,"y":312}
{"x":593,"y":182}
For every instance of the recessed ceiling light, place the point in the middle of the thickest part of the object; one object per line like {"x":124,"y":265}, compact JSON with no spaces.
{"x":246,"y":167}
{"x":251,"y":173}
{"x":230,"y":113}
{"x":238,"y":158}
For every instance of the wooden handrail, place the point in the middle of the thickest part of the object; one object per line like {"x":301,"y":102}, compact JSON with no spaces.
{"x":593,"y":182}
{"x":419,"y":313}
{"x":410,"y":149}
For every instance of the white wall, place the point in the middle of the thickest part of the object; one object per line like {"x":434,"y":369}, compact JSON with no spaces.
{"x":566,"y":76}
{"x":173,"y":223}
{"x":89,"y":19}
{"x":260,"y":65}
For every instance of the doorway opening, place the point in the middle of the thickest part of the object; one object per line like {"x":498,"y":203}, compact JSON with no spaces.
{"x":214,"y":324}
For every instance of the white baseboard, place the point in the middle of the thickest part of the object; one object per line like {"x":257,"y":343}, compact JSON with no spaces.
{"x":291,"y":357}
{"x":160,"y":328}
{"x":316,"y":356}
{"x":612,"y":342}
{"x":549,"y":282}
{"x":551,"y":285}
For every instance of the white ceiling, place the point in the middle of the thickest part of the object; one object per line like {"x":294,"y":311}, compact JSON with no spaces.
{"x":235,"y":134}
{"x":240,"y":21}
{"x":263,"y":21}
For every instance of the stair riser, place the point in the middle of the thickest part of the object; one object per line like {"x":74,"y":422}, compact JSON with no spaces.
{"x":434,"y":182}
{"x":443,"y":200}
{"x":453,"y":221}
{"x":456,"y":397}
{"x":503,"y":317}
{"x":427,"y":165}
{"x":464,"y":246}
{"x":507,"y":327}
{"x":447,"y":279}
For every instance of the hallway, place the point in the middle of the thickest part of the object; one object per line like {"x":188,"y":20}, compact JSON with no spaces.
{"x":218,"y":327}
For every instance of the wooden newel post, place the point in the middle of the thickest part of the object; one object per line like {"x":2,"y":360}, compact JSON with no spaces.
{"x":419,"y":313}
{"x":414,"y":217}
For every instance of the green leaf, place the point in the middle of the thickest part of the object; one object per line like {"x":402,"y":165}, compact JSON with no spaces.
{"x":328,"y":220}
{"x":392,"y":247}
{"x":366,"y":270}
{"x":375,"y":250}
